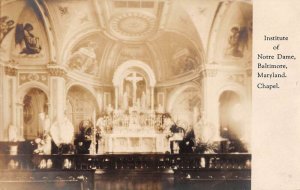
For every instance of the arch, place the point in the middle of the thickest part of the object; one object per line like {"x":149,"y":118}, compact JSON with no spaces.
{"x":236,"y":88}
{"x":233,"y":120}
{"x":25,"y":88}
{"x":32,"y":112}
{"x":88,"y":88}
{"x":176,"y":92}
{"x":44,"y":11}
{"x":81,"y":104}
{"x":121,"y":70}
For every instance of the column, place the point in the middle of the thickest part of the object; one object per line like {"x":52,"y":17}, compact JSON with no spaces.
{"x":57,"y":97}
{"x":152,"y":98}
{"x":9,"y":100}
{"x":19,"y":116}
{"x":211,"y":101}
{"x":116,"y":97}
{"x":1,"y":102}
{"x":99,"y":98}
{"x":248,"y":105}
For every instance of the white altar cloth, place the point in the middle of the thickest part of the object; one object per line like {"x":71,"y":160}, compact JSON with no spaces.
{"x":135,"y":143}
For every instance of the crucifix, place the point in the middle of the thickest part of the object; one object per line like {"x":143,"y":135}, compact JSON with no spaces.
{"x":134,"y":79}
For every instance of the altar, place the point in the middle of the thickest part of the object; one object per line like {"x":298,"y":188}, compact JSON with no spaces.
{"x":132,"y":124}
{"x":129,"y":143}
{"x":135,"y":136}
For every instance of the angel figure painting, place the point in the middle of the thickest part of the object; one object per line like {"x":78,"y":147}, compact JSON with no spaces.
{"x":29,"y":43}
{"x":237,"y":41}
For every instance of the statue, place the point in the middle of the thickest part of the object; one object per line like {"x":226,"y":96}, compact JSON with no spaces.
{"x":101,"y":123}
{"x":160,"y":109}
{"x":47,"y":145}
{"x":12,"y":133}
{"x":46,"y":124}
{"x":203,"y":129}
{"x":134,"y":79}
{"x":125,"y":101}
{"x":42,"y":116}
{"x":138,"y":104}
{"x":143,"y":100}
{"x":109,"y":109}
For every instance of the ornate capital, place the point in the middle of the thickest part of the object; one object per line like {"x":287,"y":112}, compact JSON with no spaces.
{"x":56,"y":72}
{"x":11,"y":71}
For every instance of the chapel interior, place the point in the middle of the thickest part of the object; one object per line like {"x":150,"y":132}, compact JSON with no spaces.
{"x":125,"y":94}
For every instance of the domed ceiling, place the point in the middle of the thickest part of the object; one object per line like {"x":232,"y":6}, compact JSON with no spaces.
{"x":159,"y":33}
{"x":92,"y":38}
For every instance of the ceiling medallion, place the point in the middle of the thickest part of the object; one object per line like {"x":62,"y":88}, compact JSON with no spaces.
{"x":132,"y":26}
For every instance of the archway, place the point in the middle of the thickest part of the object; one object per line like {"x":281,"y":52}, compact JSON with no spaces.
{"x":232,"y":117}
{"x":35,"y":108}
{"x":81,"y":105}
{"x":134,"y":83}
{"x":184,"y":105}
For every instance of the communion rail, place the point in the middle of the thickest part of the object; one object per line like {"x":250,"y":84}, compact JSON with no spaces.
{"x":127,"y":161}
{"x":79,"y":171}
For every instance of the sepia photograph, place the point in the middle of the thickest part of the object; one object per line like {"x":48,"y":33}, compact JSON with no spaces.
{"x":125,"y":94}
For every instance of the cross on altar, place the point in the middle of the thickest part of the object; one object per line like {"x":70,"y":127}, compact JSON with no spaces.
{"x":134,"y":79}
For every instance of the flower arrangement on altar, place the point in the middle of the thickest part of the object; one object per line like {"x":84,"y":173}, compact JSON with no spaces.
{"x":43,"y":145}
{"x":205,"y":147}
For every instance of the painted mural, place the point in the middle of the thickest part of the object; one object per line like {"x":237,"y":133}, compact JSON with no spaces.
{"x":181,"y":55}
{"x":30,"y":39}
{"x":238,"y":32}
{"x":27,"y":41}
{"x":6,"y":25}
{"x":238,"y":41}
{"x":185,"y":60}
{"x":85,"y":57}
